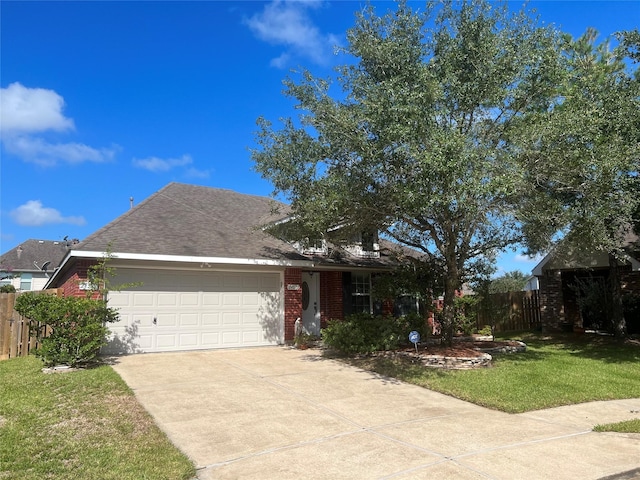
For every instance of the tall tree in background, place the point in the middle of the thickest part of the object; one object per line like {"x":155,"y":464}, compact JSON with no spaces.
{"x":513,"y":281}
{"x":582,"y":159}
{"x":415,"y":144}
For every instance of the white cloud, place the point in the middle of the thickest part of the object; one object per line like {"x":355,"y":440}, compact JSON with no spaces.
{"x":34,"y":214}
{"x":521,"y":258}
{"x":287,"y":23}
{"x":27,"y":110}
{"x":195,"y":173}
{"x":155,"y":164}
{"x":41,"y":152}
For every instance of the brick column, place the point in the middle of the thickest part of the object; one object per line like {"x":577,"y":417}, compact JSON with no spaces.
{"x":292,"y":301}
{"x":330,"y":297}
{"x":551,"y":301}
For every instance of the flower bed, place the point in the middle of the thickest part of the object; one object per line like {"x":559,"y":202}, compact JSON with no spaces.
{"x":462,"y":355}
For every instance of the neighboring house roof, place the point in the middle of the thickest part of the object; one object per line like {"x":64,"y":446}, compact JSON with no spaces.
{"x":34,"y":256}
{"x":595,"y":259}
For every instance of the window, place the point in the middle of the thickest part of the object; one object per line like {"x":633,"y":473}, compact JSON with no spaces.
{"x":312,"y":246}
{"x":25,"y":281}
{"x":368,"y":240}
{"x":360,"y":293}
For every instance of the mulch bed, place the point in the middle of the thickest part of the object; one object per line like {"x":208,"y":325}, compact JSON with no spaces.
{"x":459,"y":349}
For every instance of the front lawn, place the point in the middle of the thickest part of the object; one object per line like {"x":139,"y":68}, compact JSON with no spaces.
{"x":555,"y":370}
{"x":84,"y":424}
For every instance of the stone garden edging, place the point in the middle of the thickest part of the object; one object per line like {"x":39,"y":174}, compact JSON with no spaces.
{"x":482,"y":360}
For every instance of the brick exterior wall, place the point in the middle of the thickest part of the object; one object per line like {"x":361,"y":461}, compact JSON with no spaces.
{"x":331,"y":307}
{"x":292,"y":301}
{"x":558,"y":305}
{"x":70,"y":282}
{"x":551,"y":301}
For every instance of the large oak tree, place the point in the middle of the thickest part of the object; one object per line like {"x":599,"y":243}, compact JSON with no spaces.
{"x":414,"y":143}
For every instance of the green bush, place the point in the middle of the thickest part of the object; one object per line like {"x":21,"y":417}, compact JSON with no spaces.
{"x":365,"y":333}
{"x":486,"y":331}
{"x":76,"y":326}
{"x":8,"y":288}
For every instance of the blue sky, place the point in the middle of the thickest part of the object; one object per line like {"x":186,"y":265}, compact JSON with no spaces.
{"x":103,"y":101}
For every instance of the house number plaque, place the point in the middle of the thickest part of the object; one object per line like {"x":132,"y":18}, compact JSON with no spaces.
{"x":293,"y":286}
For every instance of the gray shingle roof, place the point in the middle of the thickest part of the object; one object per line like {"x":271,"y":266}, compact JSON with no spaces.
{"x":190,"y":220}
{"x":32,"y":255}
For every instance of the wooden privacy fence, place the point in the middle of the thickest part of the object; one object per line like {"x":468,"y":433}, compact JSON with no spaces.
{"x":15,"y":337}
{"x":511,"y":311}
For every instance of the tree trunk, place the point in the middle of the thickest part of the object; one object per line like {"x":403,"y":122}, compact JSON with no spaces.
{"x":617,"y":310}
{"x":448,"y":310}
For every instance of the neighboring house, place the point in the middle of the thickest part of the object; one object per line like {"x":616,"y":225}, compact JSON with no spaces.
{"x":532,"y":284}
{"x":212,"y":277}
{"x":30,"y":265}
{"x":561,"y":278}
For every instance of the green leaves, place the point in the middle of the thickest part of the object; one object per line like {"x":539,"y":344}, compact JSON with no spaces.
{"x":70,"y":330}
{"x":449,"y":132}
{"x":581,"y":156}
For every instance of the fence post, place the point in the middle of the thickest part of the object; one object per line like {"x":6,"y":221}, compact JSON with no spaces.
{"x":7,"y":301}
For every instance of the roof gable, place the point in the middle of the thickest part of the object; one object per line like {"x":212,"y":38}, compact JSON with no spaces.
{"x":190,"y":220}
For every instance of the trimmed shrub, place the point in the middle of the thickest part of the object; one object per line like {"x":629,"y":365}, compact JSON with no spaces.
{"x":365,"y":333}
{"x":76,"y":326}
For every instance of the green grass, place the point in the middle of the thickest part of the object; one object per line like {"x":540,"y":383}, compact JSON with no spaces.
{"x":555,"y":370}
{"x":630,"y":426}
{"x":84,"y":424}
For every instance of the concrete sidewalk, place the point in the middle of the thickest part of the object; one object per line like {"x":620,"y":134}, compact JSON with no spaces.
{"x":276,"y":412}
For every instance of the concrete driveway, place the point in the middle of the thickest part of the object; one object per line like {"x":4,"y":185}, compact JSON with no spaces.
{"x":276,"y":412}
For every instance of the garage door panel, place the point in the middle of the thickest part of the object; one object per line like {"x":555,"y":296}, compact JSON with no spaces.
{"x":250,"y":338}
{"x":195,"y":310}
{"x":167,"y":299}
{"x":142,"y":320}
{"x":231,"y":299}
{"x":231,"y":339}
{"x":250,"y":320}
{"x":166,"y":341}
{"x":142,"y":299}
{"x":210,"y":319}
{"x":167,"y":320}
{"x":230,"y":318}
{"x":188,"y":340}
{"x":250,"y":299}
{"x":210,"y":299}
{"x":210,"y":339}
{"x":118,"y":299}
{"x":188,"y":319}
{"x":189,"y":300}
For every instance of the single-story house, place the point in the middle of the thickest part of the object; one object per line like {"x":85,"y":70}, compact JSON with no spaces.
{"x":207,"y":274}
{"x":563,"y":278}
{"x":30,"y":265}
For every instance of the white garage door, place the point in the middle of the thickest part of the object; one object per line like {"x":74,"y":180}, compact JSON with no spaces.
{"x":178,"y":310}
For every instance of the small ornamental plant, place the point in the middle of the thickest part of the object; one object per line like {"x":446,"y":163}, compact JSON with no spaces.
{"x":70,"y":330}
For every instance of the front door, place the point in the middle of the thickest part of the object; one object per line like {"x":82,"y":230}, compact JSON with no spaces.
{"x":311,"y":302}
